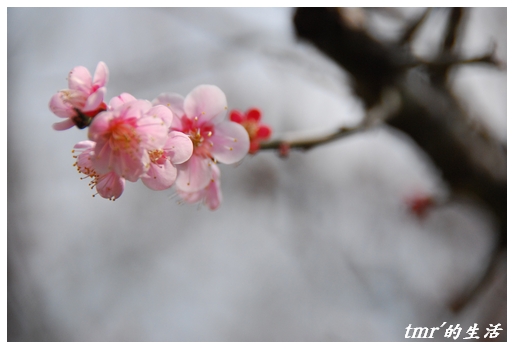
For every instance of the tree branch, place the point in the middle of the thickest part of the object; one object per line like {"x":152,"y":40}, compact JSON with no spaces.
{"x":390,"y":104}
{"x":471,"y":161}
{"x":413,"y":28}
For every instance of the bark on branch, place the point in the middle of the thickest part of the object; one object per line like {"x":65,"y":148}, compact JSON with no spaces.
{"x":470,"y":159}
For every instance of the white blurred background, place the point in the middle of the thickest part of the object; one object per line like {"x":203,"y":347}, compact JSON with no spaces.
{"x":319,"y":246}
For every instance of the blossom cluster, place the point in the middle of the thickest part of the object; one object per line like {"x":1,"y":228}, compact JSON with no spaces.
{"x":170,"y":141}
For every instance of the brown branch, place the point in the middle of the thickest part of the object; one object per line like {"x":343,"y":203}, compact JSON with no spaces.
{"x":389,"y":105}
{"x":455,"y":23}
{"x":451,"y":60}
{"x":307,"y":143}
{"x":413,"y":28}
{"x":471,"y":162}
{"x":439,"y":73}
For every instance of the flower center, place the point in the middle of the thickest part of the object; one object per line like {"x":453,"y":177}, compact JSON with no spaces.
{"x":251,"y":127}
{"x":76,"y":98}
{"x":196,"y":138}
{"x":123,"y":136}
{"x":199,"y":135}
{"x":156,"y":156}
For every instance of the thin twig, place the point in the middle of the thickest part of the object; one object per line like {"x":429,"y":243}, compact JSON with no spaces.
{"x":412,"y":29}
{"x":389,"y":105}
{"x":448,"y":61}
{"x":306,"y":143}
{"x":455,"y":24}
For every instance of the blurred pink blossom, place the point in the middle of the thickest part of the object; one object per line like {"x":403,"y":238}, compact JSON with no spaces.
{"x":83,"y":99}
{"x":162,"y":172}
{"x":108,"y":185}
{"x":126,"y":134}
{"x":201,"y":116}
{"x":210,"y":195}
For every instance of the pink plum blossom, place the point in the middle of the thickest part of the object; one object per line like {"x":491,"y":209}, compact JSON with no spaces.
{"x":210,"y":195}
{"x":127,"y":134}
{"x":162,"y":172}
{"x":83,"y":99}
{"x":201,"y":116}
{"x":108,"y":185}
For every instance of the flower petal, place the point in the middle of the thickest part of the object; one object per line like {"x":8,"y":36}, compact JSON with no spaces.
{"x":236,"y":116}
{"x":152,"y":131}
{"x":207,"y":103}
{"x":210,"y":195}
{"x":253,"y":114}
{"x":84,"y":145}
{"x":135,"y":109}
{"x":79,"y":78}
{"x":160,"y":177}
{"x":264,"y":132}
{"x":230,"y":142}
{"x":101,"y":75}
{"x":129,"y":166}
{"x":173,"y":101}
{"x":63,"y":125}
{"x":178,"y":147}
{"x":213,"y":195}
{"x":110,"y":185}
{"x":100,"y":125}
{"x":94,"y":100}
{"x":102,"y":157}
{"x":61,"y":108}
{"x":191,"y":198}
{"x":160,"y":111}
{"x":118,"y":101}
{"x":194,"y":174}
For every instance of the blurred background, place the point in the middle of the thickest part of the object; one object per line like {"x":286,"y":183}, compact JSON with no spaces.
{"x":319,"y":246}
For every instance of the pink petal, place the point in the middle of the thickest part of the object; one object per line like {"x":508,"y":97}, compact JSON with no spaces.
{"x":210,"y":195}
{"x":100,"y":125}
{"x":128,"y":166}
{"x":59,"y":107}
{"x":230,"y":142}
{"x":207,"y":103}
{"x":94,"y":100}
{"x":102,"y":157}
{"x":176,"y":124}
{"x":160,"y":111}
{"x":135,"y":109}
{"x":194,"y":174}
{"x":178,"y":147}
{"x":191,"y":198}
{"x":173,"y":101}
{"x":84,"y":148}
{"x":153,"y":132}
{"x":132,"y":167}
{"x":213,"y":195}
{"x":101,"y":75}
{"x":118,"y":101}
{"x":84,"y":145}
{"x":110,"y":185}
{"x":160,"y":177}
{"x":80,"y":79}
{"x":63,"y":125}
